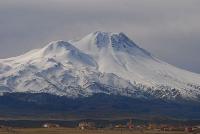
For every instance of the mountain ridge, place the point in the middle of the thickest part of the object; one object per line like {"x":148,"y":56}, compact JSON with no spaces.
{"x":101,"y":62}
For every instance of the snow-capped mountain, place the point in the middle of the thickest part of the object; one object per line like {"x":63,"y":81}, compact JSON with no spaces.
{"x":100,"y":62}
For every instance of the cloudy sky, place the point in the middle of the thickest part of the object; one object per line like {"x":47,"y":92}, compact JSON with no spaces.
{"x":169,"y":29}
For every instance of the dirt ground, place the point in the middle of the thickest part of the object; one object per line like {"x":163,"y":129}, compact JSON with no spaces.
{"x":77,"y":131}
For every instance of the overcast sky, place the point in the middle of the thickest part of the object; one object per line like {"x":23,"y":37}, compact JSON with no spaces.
{"x":169,"y":29}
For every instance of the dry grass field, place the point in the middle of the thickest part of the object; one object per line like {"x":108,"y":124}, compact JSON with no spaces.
{"x":77,"y":131}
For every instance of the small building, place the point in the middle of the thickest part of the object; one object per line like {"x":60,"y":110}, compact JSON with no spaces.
{"x":110,"y":126}
{"x":120,"y":126}
{"x":152,"y":126}
{"x":188,"y":129}
{"x":86,"y":125}
{"x":164,"y":127}
{"x":50,"y":125}
{"x":196,"y":131}
{"x":130,"y":125}
{"x":195,"y":127}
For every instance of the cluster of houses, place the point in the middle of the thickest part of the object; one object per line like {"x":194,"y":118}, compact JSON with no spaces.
{"x":86,"y":125}
{"x":164,"y":127}
{"x":129,"y":125}
{"x":7,"y":129}
{"x":91,"y":125}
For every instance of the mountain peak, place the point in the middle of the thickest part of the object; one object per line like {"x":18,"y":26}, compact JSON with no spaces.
{"x":104,"y":32}
{"x":111,"y":42}
{"x":101,"y":39}
{"x":57,"y":47}
{"x":107,"y":33}
{"x":111,"y":37}
{"x":54,"y":45}
{"x":115,"y":39}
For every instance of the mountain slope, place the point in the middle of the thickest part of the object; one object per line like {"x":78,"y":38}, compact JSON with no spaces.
{"x":46,"y":106}
{"x":101,"y":62}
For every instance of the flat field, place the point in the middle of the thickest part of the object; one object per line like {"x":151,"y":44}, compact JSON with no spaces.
{"x":77,"y":131}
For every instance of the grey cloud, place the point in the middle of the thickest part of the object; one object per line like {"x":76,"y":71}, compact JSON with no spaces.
{"x":169,"y":29}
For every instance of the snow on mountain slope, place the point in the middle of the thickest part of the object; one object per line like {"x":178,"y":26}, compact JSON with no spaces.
{"x":58,"y":68}
{"x":116,"y":53}
{"x":101,"y":62}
